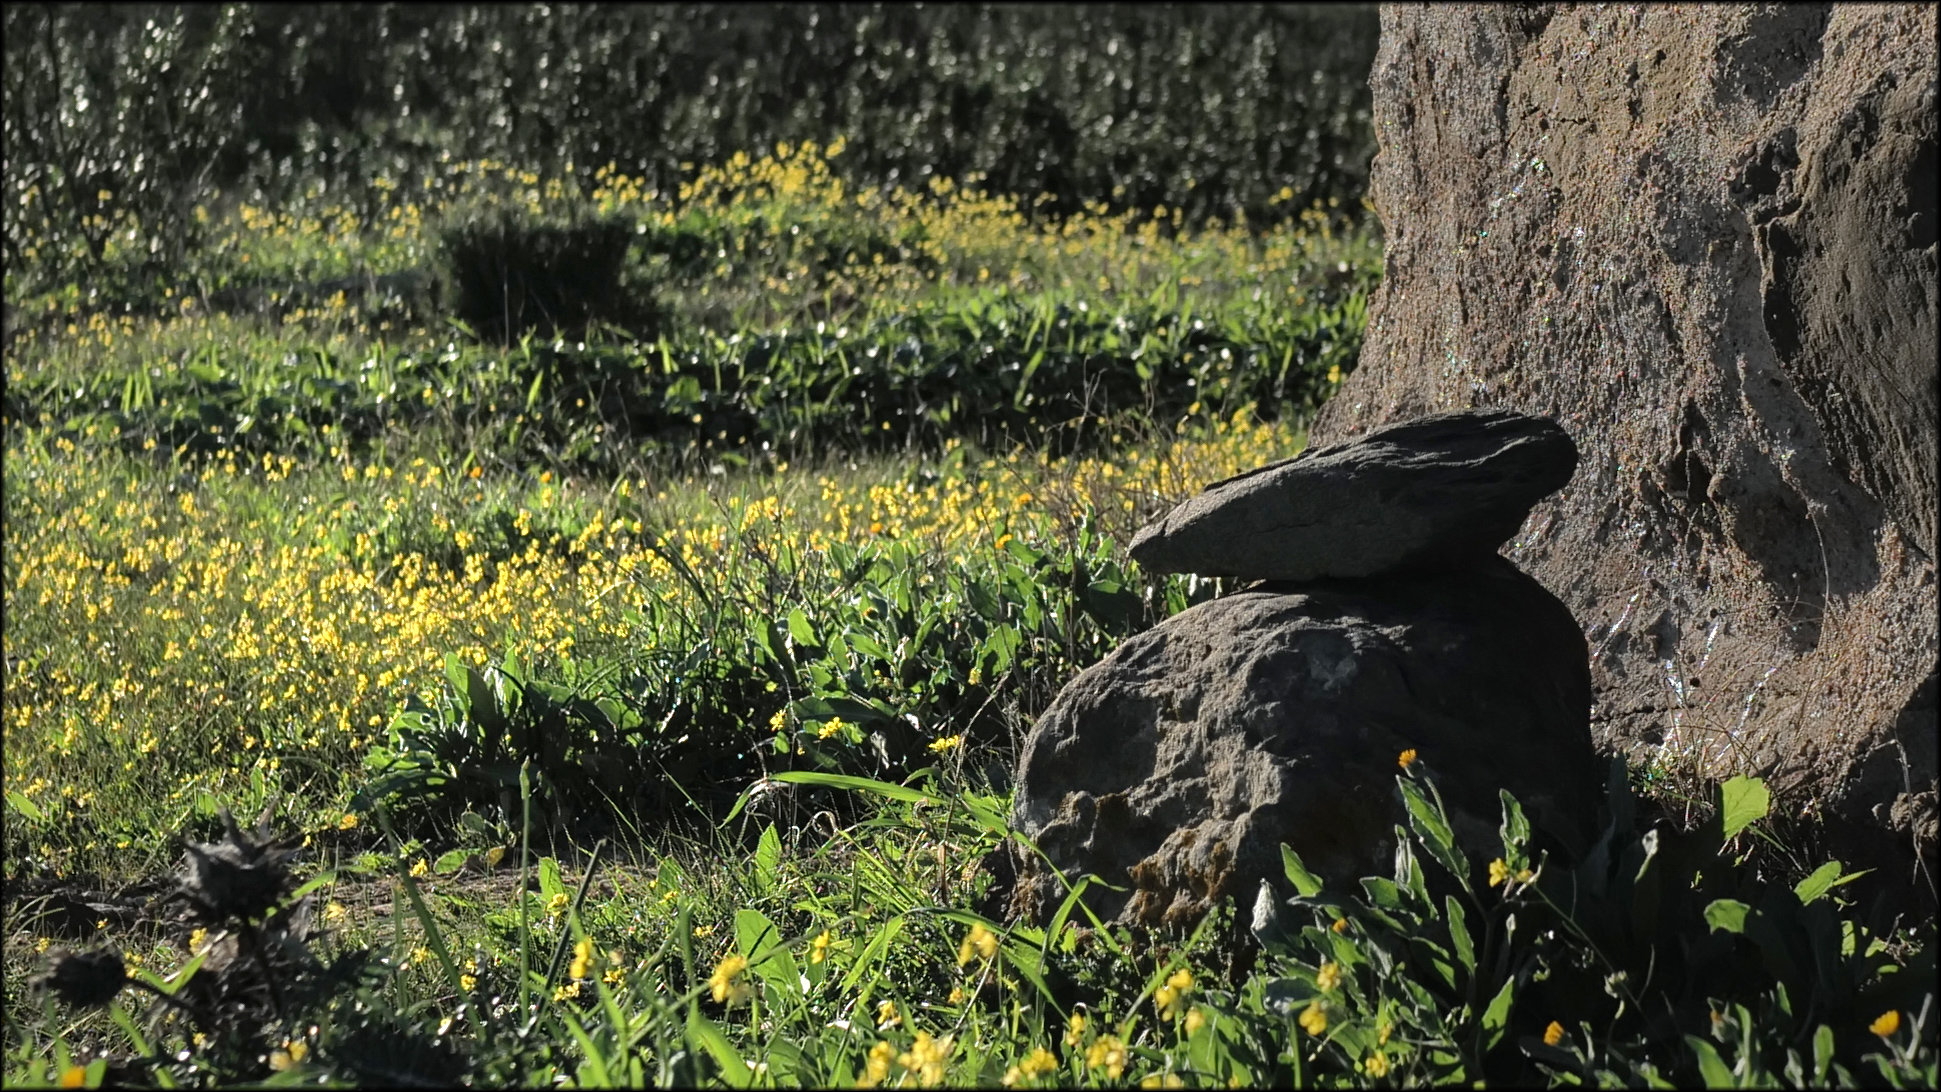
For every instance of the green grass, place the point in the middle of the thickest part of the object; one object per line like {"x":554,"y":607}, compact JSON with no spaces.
{"x":717,"y":616}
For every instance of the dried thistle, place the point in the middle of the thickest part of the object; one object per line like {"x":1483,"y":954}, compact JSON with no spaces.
{"x":88,"y":979}
{"x":238,"y":878}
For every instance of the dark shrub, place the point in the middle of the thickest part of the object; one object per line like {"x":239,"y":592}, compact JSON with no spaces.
{"x":507,"y":273}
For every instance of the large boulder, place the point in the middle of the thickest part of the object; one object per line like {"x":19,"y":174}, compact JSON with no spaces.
{"x":1704,"y":239}
{"x":1179,"y":764}
{"x":1439,"y":492}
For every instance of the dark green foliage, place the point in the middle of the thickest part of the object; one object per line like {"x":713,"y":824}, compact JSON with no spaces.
{"x":1213,"y":109}
{"x":507,"y":274}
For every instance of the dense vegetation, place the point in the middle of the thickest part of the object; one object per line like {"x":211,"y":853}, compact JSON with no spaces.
{"x":622,"y":586}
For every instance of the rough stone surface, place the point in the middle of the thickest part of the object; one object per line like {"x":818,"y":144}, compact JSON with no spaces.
{"x":1440,"y":492}
{"x":1704,"y":239}
{"x":1180,"y":763}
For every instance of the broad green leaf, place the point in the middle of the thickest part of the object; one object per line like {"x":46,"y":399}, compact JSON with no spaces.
{"x":1515,"y":829}
{"x":708,"y":1036}
{"x":1727,"y":914}
{"x":1459,"y":934}
{"x":25,"y":807}
{"x":1497,"y":1016}
{"x":1433,"y":828}
{"x":768,"y":858}
{"x":1822,"y":1052}
{"x":800,"y":630}
{"x":550,"y":883}
{"x":1711,"y":1068}
{"x":1743,"y":801}
{"x":1305,"y":883}
{"x":1819,"y":883}
{"x":761,"y":944}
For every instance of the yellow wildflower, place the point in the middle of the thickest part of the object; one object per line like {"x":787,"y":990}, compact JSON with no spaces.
{"x":1329,"y":977}
{"x":1376,"y":1064}
{"x":1888,"y":1023}
{"x":1039,"y":1062}
{"x":819,"y":947}
{"x":582,"y":959}
{"x":876,"y":1068}
{"x":886,"y":1015}
{"x":1170,"y":999}
{"x":947,"y":743}
{"x":1406,"y":759}
{"x":570,"y":989}
{"x":348,"y":822}
{"x":1108,"y":1052}
{"x":926,"y":1058}
{"x":725,"y":983}
{"x":1553,"y":1034}
{"x":1314,"y":1019}
{"x":292,"y":1053}
{"x":979,"y":942}
{"x":420,"y":869}
{"x":1162,"y":1080}
{"x":1498,"y":872}
{"x":1195,"y":1020}
{"x":1075,"y":1031}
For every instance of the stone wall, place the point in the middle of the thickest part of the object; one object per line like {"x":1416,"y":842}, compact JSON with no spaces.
{"x":1702,"y":238}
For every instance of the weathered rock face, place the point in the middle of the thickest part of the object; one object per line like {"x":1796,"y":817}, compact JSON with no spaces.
{"x":1181,"y":762}
{"x":1704,"y":239}
{"x":1437,"y":493}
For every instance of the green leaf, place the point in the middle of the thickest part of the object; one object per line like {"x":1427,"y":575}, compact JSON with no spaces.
{"x":1515,"y":829}
{"x":761,"y":944}
{"x":768,"y":858}
{"x":25,"y":807}
{"x":1305,"y":883}
{"x":1711,"y":1068}
{"x":800,"y":630}
{"x":1822,"y":1052}
{"x":1459,"y":935}
{"x":550,"y":883}
{"x":1432,"y":826}
{"x":1497,"y":1016}
{"x":707,"y":1035}
{"x":857,"y":784}
{"x":1743,"y":801}
{"x":1819,"y":883}
{"x":1727,"y":914}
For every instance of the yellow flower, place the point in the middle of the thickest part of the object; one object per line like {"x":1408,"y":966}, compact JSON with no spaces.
{"x":1553,"y":1034}
{"x":1108,"y":1052}
{"x":956,"y":996}
{"x":468,"y":982}
{"x":1498,"y":872}
{"x":1340,"y":925}
{"x":1162,"y":1080}
{"x":291,"y":1054}
{"x":1195,"y":1020}
{"x":1407,"y":758}
{"x":556,"y":905}
{"x":582,"y":959}
{"x":1329,"y":976}
{"x":336,"y":913}
{"x":1888,"y":1023}
{"x":197,"y":939}
{"x":1314,"y":1019}
{"x":1075,"y":1031}
{"x":420,"y":956}
{"x":420,"y":869}
{"x":1376,"y":1064}
{"x":1039,"y":1062}
{"x":348,"y":822}
{"x":74,"y":1076}
{"x":947,"y":743}
{"x":819,"y":947}
{"x":829,"y":728}
{"x":979,"y":942}
{"x":725,"y":982}
{"x":877,"y":1066}
{"x":926,"y":1058}
{"x":1170,"y":999}
{"x":570,"y":989}
{"x":886,"y":1015}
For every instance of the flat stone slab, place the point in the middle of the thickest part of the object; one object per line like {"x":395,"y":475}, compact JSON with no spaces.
{"x":1439,"y":492}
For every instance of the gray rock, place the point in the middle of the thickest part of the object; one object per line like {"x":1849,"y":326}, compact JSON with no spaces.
{"x":1180,"y":763}
{"x":1440,"y":492}
{"x":1704,"y":240}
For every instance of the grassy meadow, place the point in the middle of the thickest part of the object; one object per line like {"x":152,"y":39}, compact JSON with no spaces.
{"x":624,"y":607}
